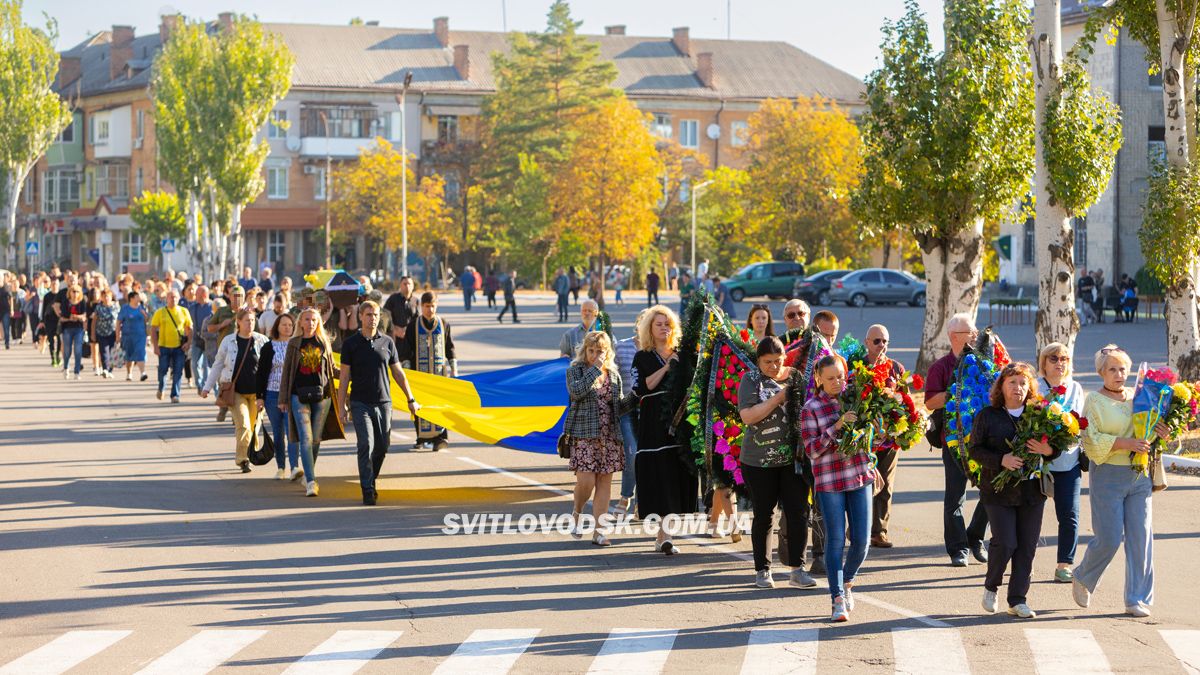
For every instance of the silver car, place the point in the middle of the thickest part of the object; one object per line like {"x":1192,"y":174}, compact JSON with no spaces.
{"x":879,"y":286}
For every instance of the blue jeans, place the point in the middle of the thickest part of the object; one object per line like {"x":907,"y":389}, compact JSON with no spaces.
{"x":467,"y":297}
{"x":837,"y":508}
{"x":105,"y":344}
{"x":72,"y":337}
{"x":373,"y":429}
{"x":6,"y":322}
{"x":562,"y":306}
{"x":279,"y":428}
{"x":958,"y":534}
{"x":1066,"y":507}
{"x":1121,"y":513}
{"x":170,"y":357}
{"x":200,"y":366}
{"x":628,"y":477}
{"x":310,"y":421}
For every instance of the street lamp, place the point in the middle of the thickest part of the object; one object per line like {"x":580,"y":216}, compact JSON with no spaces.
{"x":696,"y":193}
{"x":328,"y":166}
{"x":404,"y":174}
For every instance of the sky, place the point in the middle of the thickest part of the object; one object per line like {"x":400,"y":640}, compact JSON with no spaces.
{"x":844,"y":33}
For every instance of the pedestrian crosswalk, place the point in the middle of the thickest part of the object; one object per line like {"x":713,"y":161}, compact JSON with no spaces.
{"x":629,"y":651}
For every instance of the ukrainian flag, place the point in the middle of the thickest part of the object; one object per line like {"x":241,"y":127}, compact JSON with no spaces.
{"x":520,"y":408}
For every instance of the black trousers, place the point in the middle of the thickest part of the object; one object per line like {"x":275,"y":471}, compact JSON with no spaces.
{"x":1015,"y":532}
{"x":769,"y":487}
{"x":508,"y":303}
{"x":958,"y":535}
{"x":651,"y":298}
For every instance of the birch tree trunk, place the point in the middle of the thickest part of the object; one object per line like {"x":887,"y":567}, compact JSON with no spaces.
{"x":954,"y":270}
{"x":11,"y":199}
{"x":235,"y":238}
{"x":1183,"y":332}
{"x":1056,"y":319}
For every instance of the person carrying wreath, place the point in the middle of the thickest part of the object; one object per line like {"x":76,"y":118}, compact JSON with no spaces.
{"x":1015,"y":511}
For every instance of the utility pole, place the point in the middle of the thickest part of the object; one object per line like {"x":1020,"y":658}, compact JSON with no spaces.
{"x":400,"y":98}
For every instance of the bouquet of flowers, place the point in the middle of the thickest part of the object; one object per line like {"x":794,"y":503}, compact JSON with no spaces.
{"x":1161,"y":397}
{"x":978,"y":367}
{"x":724,"y":438}
{"x":884,"y":407}
{"x":851,"y":349}
{"x":1043,"y":420}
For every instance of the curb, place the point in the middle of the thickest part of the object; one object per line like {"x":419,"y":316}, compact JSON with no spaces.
{"x":1181,"y":465}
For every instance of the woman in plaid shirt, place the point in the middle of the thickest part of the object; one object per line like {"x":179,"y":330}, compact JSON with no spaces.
{"x":844,"y":484}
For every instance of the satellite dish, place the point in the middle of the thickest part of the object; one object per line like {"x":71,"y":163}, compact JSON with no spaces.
{"x":713,"y":131}
{"x":293,"y":143}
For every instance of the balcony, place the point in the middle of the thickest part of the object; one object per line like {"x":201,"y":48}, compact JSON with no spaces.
{"x":337,"y":148}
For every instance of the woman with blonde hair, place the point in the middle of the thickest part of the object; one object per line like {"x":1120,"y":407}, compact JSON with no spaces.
{"x":307,"y":392}
{"x":236,"y":365}
{"x":664,"y":485}
{"x":593,"y":427}
{"x":1054,"y":365}
{"x":1118,"y":495}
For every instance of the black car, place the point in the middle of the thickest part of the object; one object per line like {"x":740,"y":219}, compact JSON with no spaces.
{"x":815,"y":289}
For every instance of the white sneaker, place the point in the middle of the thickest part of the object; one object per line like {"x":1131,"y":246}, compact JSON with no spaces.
{"x":311,"y":489}
{"x":1080,"y":593}
{"x":840,"y":614}
{"x":989,"y":601}
{"x":66,"y":374}
{"x":129,"y":377}
{"x":801,"y":579}
{"x":762,"y":579}
{"x":1139,"y":610}
{"x":281,"y":474}
{"x":848,"y":596}
{"x":1022,"y":610}
{"x":76,"y":376}
{"x":297,"y":474}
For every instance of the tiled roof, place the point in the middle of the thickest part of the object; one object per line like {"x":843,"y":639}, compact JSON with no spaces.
{"x":374,"y":57}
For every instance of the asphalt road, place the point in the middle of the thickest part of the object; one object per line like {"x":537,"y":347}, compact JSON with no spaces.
{"x":130,"y":543}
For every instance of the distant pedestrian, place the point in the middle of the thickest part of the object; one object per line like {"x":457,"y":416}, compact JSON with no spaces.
{"x":576,"y":283}
{"x":490,"y":285}
{"x":673,"y":277}
{"x":6,"y":309}
{"x":73,"y":320}
{"x":619,"y":287}
{"x":686,"y":290}
{"x":104,"y":330}
{"x":247,"y":281}
{"x":562,"y":288}
{"x":509,"y":285}
{"x":170,"y":329}
{"x":131,"y":335}
{"x":467,"y":282}
{"x":723,"y":299}
{"x":652,"y":282}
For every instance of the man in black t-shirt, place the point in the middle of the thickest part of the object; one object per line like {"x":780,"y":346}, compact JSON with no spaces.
{"x":367,"y":358}
{"x":402,"y":307}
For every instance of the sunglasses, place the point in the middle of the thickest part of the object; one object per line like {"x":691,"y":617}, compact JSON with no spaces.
{"x":754,"y":307}
{"x":1110,"y":350}
{"x":879,"y":341}
{"x":1055,"y":358}
{"x":795,"y":315}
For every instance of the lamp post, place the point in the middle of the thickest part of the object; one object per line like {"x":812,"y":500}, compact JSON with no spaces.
{"x":696,"y":193}
{"x":404,"y":174}
{"x":328,"y":167}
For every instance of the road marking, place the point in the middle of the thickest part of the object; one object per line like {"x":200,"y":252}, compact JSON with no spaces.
{"x":202,"y":652}
{"x":1186,"y":645}
{"x":929,"y":651}
{"x":1066,"y":652}
{"x":517,"y":477}
{"x":488,"y":652}
{"x":344,"y":653}
{"x":773,"y":650}
{"x":634,"y":651}
{"x":897,"y":609}
{"x":64,"y":652}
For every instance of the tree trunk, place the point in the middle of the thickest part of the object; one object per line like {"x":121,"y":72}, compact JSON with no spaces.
{"x":1056,"y":319}
{"x":1183,"y":330}
{"x":235,"y":238}
{"x":600,"y":294}
{"x":11,"y":199}
{"x":954,"y":274}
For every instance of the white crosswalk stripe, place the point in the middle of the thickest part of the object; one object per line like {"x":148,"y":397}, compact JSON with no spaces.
{"x":64,"y":652}
{"x":1066,"y":652}
{"x":1186,"y":645}
{"x":488,"y":652}
{"x":776,"y":651}
{"x":202,"y":652}
{"x":929,"y":651}
{"x":634,"y":651}
{"x":345,"y":653}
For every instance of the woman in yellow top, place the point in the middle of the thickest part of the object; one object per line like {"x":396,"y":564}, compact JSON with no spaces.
{"x":1119,"y":496}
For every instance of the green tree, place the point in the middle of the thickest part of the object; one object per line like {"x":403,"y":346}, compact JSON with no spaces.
{"x":544,"y":83}
{"x":31,"y":113}
{"x":949,"y":145}
{"x":157,"y":216}
{"x":726,"y":230}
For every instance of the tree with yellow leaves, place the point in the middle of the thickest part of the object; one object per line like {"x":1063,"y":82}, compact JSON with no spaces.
{"x":368,"y":201}
{"x":805,"y":161}
{"x":606,"y":192}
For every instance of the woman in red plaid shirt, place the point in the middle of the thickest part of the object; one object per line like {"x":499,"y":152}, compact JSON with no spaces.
{"x":844,"y":485}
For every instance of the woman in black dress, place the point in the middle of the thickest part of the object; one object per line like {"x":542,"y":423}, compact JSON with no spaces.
{"x":664,"y":484}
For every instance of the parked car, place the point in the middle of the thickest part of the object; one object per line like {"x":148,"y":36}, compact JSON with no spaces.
{"x":815,"y":289}
{"x":772,"y":279}
{"x":878,"y":286}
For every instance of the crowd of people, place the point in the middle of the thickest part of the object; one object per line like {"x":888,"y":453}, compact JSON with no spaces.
{"x":261,"y":348}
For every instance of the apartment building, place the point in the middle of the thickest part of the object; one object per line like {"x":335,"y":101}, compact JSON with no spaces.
{"x":698,"y":92}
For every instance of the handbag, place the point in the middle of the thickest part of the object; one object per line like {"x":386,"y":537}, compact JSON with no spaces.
{"x":310,"y":395}
{"x":1046,"y":484}
{"x":1158,"y":475}
{"x":226,"y":396}
{"x":262,"y":448}
{"x":183,"y":339}
{"x":565,"y":439}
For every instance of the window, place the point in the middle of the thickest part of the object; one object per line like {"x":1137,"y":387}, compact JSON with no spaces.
{"x":102,"y":132}
{"x":739,"y":133}
{"x":662,"y":125}
{"x":447,"y":129}
{"x":68,"y":134}
{"x":318,"y":184}
{"x":685,"y":189}
{"x":760,"y":272}
{"x":786,"y":269}
{"x":138,"y":184}
{"x":276,"y":246}
{"x":894,"y":278}
{"x":1080,"y":225}
{"x":453,"y":189}
{"x":27,"y":191}
{"x":1154,"y":80}
{"x":141,"y":125}
{"x":868,"y":278}
{"x":689,"y":133}
{"x":112,"y":180}
{"x":344,"y":122}
{"x":1029,"y":245}
{"x":1156,"y":144}
{"x":277,"y":182}
{"x":133,"y":249}
{"x":273,"y":128}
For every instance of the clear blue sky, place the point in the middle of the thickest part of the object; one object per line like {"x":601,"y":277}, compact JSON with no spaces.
{"x":842,"y":32}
